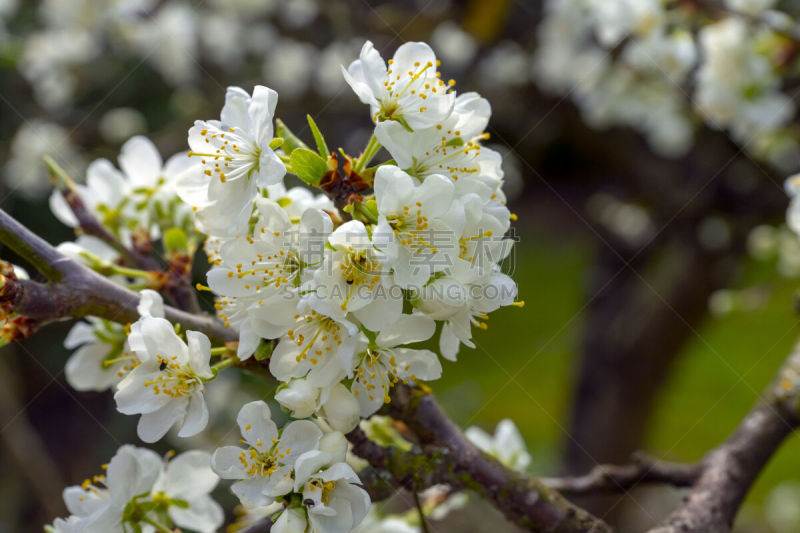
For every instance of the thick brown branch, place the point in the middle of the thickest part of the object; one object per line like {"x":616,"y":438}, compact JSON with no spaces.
{"x":729,"y":470}
{"x":77,"y":291}
{"x":622,"y":478}
{"x":445,"y":455}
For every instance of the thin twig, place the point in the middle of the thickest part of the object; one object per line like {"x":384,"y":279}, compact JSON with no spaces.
{"x":622,"y":478}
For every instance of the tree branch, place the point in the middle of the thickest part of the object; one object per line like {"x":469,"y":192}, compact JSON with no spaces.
{"x":445,"y":455}
{"x":178,"y":277}
{"x":729,"y":470}
{"x":77,"y":291}
{"x":622,"y":478}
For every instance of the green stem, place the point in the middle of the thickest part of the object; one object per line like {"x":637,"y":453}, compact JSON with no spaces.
{"x":366,"y":213}
{"x":228,"y":361}
{"x":220,"y":350}
{"x":161,"y":528}
{"x":422,"y":522}
{"x":369,"y":152}
{"x":130,"y":272}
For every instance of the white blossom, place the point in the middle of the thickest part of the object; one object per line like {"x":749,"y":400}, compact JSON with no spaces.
{"x":264,"y":470}
{"x":419,"y":222}
{"x":464,"y":297}
{"x":236,"y":160}
{"x":381,"y":364}
{"x":409,"y":90}
{"x":333,"y":497}
{"x":138,"y":486}
{"x":188,"y":478}
{"x":355,"y":278}
{"x":256,"y":277}
{"x":166,"y":387}
{"x":506,"y":445}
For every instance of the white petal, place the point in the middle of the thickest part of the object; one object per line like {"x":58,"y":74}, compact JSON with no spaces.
{"x":189,"y":475}
{"x":298,"y":437}
{"x":225,"y":462}
{"x":199,"y":348}
{"x":256,"y":425}
{"x":290,"y":521}
{"x":203,"y":515}
{"x":153,"y":426}
{"x":81,"y":333}
{"x":309,"y":464}
{"x":406,"y":329}
{"x":196,"y":416}
{"x":140,"y":161}
{"x":85,"y":371}
{"x":252,"y":491}
{"x":150,"y":304}
{"x":261,"y":110}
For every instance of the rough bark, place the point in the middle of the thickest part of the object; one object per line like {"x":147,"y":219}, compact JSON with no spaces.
{"x":76,"y":291}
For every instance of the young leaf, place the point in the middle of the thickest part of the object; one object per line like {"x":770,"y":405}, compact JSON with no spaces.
{"x":308,"y":166}
{"x":290,"y":141}
{"x":322,"y":147}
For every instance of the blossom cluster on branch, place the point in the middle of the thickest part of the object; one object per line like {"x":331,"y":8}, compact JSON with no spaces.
{"x":661,"y":67}
{"x":337,"y":289}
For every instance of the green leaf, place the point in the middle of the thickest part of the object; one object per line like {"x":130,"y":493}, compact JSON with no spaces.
{"x":290,"y":141}
{"x":263,"y":351}
{"x":175,"y":240}
{"x":308,"y":166}
{"x":322,"y":147}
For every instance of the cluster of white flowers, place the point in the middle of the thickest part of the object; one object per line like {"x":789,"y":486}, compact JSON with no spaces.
{"x":637,"y":63}
{"x":337,"y":294}
{"x":136,"y":202}
{"x":140,"y":491}
{"x":174,"y":37}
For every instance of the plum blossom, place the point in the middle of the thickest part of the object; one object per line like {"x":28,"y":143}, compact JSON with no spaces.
{"x":264,"y":470}
{"x":737,"y":86}
{"x":419,"y":222}
{"x":381,"y":364}
{"x":506,"y":445}
{"x":354,"y":278}
{"x":409,"y":91}
{"x":129,"y":199}
{"x":255,"y":277}
{"x":333,"y":497}
{"x":103,"y":356}
{"x":137,"y":487}
{"x":236,"y":160}
{"x":463,"y":297}
{"x":189,"y":478}
{"x":166,"y":387}
{"x":316,"y":346}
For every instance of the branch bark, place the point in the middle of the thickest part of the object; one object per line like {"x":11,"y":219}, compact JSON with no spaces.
{"x":76,"y":291}
{"x":622,"y":478}
{"x":731,"y":469}
{"x":445,"y":455}
{"x":178,"y":276}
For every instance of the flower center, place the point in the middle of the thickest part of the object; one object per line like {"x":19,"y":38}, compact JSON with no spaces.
{"x":174,"y":380}
{"x":231,"y":154}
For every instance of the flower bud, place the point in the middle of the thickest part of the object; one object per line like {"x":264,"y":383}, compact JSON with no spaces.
{"x":342,"y":411}
{"x":299,"y":397}
{"x":335,"y":444}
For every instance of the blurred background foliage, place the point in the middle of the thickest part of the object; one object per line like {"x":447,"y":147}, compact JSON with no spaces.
{"x":654,"y":313}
